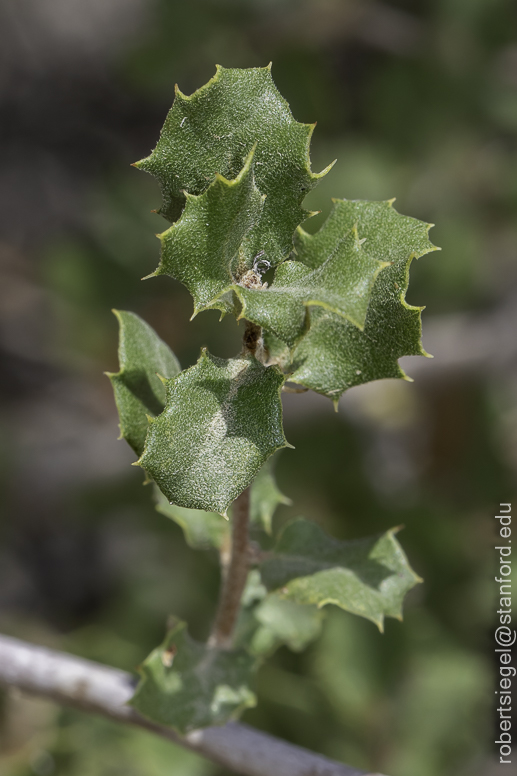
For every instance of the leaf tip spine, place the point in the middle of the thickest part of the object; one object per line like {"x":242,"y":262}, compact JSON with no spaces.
{"x":325,"y":171}
{"x":247,"y":164}
{"x":179,"y":95}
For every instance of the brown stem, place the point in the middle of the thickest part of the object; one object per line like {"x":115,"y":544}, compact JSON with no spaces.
{"x":234,"y":579}
{"x":252,"y":339}
{"x":235,"y":564}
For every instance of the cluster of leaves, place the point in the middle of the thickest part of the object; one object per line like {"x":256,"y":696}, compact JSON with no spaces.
{"x":234,"y":169}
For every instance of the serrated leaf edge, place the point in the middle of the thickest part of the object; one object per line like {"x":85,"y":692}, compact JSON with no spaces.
{"x":206,"y":355}
{"x":390,"y":533}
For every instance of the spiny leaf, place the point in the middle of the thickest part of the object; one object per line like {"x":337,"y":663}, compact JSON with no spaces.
{"x":341,"y":282}
{"x":368,"y":577}
{"x":335,"y":354}
{"x":187,"y":685}
{"x":139,"y":392}
{"x":213,"y":131}
{"x":202,"y":248}
{"x":226,"y":225}
{"x":222,"y":420}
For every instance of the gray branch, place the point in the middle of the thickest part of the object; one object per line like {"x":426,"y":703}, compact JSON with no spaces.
{"x":92,"y":687}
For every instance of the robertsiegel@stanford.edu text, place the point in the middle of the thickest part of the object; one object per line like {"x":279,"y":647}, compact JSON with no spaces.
{"x":504,"y":635}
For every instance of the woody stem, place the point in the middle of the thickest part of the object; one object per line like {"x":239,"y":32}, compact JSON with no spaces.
{"x":234,"y":580}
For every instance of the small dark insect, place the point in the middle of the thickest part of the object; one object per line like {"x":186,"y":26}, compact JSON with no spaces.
{"x":261,"y":265}
{"x":253,"y":277}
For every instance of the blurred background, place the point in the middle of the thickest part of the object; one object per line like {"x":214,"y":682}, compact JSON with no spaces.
{"x":417,"y":100}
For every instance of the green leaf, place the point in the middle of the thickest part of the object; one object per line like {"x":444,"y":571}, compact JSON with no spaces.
{"x":202,"y":529}
{"x":222,"y":420}
{"x":341,"y":283}
{"x":287,"y":622}
{"x":213,"y":131}
{"x":267,"y":621}
{"x":335,"y":355}
{"x":265,"y":497}
{"x":202,"y":249}
{"x":368,"y":577}
{"x":209,"y":529}
{"x":187,"y":685}
{"x":139,"y":392}
{"x":227,"y":226}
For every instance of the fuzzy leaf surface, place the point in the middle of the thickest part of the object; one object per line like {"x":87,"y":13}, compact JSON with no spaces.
{"x":209,"y":529}
{"x":187,"y":685}
{"x":213,"y":131}
{"x":222,"y":420}
{"x":341,"y":283}
{"x":202,"y":529}
{"x":139,"y":392}
{"x":202,"y":249}
{"x":368,"y":577}
{"x":335,"y":355}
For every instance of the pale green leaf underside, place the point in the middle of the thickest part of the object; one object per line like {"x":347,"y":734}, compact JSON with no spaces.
{"x":202,"y":529}
{"x":213,"y":131}
{"x":368,"y":577}
{"x":139,"y":392}
{"x":222,"y":420}
{"x":335,"y":355}
{"x":265,"y":497}
{"x":267,"y":621}
{"x":285,"y":622}
{"x":187,"y":685}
